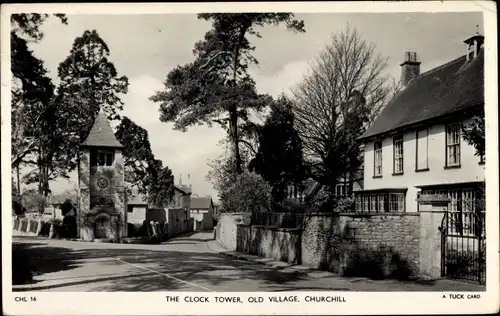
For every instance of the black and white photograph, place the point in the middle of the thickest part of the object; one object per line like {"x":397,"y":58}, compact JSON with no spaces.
{"x":261,"y":151}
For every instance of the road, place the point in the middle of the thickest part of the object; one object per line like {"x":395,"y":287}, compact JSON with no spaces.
{"x":181,"y":264}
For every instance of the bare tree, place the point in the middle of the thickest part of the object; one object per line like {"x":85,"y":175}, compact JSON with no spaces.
{"x":344,"y":91}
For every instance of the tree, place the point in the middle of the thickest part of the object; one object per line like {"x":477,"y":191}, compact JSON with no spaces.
{"x":474,"y":134}
{"x":335,"y":102}
{"x":249,"y":193}
{"x":30,"y":84}
{"x":142,"y":169}
{"x":137,"y":152}
{"x":279,"y":158}
{"x":35,"y":133}
{"x":216,"y":87}
{"x":89,"y":81}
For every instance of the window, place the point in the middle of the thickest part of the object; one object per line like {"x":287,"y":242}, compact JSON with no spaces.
{"x":396,"y":202}
{"x":102,"y":157}
{"x":453,"y":145}
{"x":380,"y":201}
{"x":342,"y":189}
{"x":377,"y":149}
{"x":398,"y":154}
{"x":422,"y":146}
{"x":465,"y":218}
{"x":130,"y":208}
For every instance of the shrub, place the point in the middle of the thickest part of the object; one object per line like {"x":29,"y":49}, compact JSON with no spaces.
{"x":66,"y":207}
{"x":249,"y":193}
{"x":344,"y":205}
{"x":33,"y":201}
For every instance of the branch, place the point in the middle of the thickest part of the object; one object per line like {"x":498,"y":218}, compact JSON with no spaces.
{"x":248,"y":145}
{"x":19,"y":157}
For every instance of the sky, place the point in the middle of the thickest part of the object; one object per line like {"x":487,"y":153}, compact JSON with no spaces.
{"x":146,"y":47}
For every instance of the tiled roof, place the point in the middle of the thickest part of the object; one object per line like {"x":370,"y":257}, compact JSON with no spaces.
{"x":452,"y":87}
{"x":101,"y":134}
{"x":201,"y":203}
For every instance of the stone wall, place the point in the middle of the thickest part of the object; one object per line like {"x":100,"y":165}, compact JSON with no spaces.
{"x":276,"y":243}
{"x":338,"y":242}
{"x":334,"y":241}
{"x":226,"y":229}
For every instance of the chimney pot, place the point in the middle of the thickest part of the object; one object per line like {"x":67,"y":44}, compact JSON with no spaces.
{"x":407,"y":56}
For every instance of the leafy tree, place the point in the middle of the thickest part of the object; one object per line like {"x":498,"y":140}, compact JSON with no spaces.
{"x":35,"y":133}
{"x":137,"y":151}
{"x":159,"y":182}
{"x":216,"y":87}
{"x":334,"y":104}
{"x":279,"y":158}
{"x":142,"y":170}
{"x":474,"y":134}
{"x":249,"y":193}
{"x":34,"y":201}
{"x":89,"y":81}
{"x":30,"y":84}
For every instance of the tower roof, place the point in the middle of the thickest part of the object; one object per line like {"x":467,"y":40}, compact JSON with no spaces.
{"x":101,"y":134}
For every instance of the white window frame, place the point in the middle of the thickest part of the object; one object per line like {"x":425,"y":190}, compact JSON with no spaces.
{"x":396,"y":202}
{"x":453,"y":154}
{"x":398,"y":153}
{"x":377,"y":163}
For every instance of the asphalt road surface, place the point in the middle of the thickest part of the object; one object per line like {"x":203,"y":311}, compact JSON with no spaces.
{"x":181,"y":264}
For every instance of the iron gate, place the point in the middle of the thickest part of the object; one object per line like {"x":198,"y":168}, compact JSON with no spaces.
{"x":463,"y":244}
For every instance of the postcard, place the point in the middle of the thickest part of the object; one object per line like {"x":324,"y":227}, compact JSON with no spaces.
{"x":301,"y":158}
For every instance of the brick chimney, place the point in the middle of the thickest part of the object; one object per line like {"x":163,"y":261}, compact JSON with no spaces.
{"x":410,"y":68}
{"x":473,"y":45}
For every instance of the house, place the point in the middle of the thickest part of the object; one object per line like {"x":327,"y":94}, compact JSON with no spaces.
{"x":138,"y":209}
{"x":54,"y":202}
{"x":414,"y":148}
{"x":202,"y":211}
{"x":311,"y":188}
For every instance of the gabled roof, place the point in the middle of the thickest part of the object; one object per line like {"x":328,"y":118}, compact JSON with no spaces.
{"x":201,"y":203}
{"x":455,"y":86}
{"x":101,"y":134}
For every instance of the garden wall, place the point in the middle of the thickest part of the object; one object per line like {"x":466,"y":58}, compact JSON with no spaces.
{"x":226,"y":229}
{"x":346,"y":243}
{"x":276,"y":243}
{"x":336,"y":241}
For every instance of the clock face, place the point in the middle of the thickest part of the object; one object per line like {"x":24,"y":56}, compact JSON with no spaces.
{"x":102,"y":183}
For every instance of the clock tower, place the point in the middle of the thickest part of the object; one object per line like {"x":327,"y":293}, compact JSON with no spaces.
{"x":102,"y":212}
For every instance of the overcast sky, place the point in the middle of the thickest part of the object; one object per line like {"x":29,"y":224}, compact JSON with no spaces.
{"x":146,"y":47}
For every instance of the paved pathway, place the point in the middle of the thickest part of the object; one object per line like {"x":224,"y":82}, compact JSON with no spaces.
{"x":181,"y":264}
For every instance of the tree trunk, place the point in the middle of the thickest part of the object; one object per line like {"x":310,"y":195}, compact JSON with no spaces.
{"x":18,"y":181}
{"x":233,"y":130}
